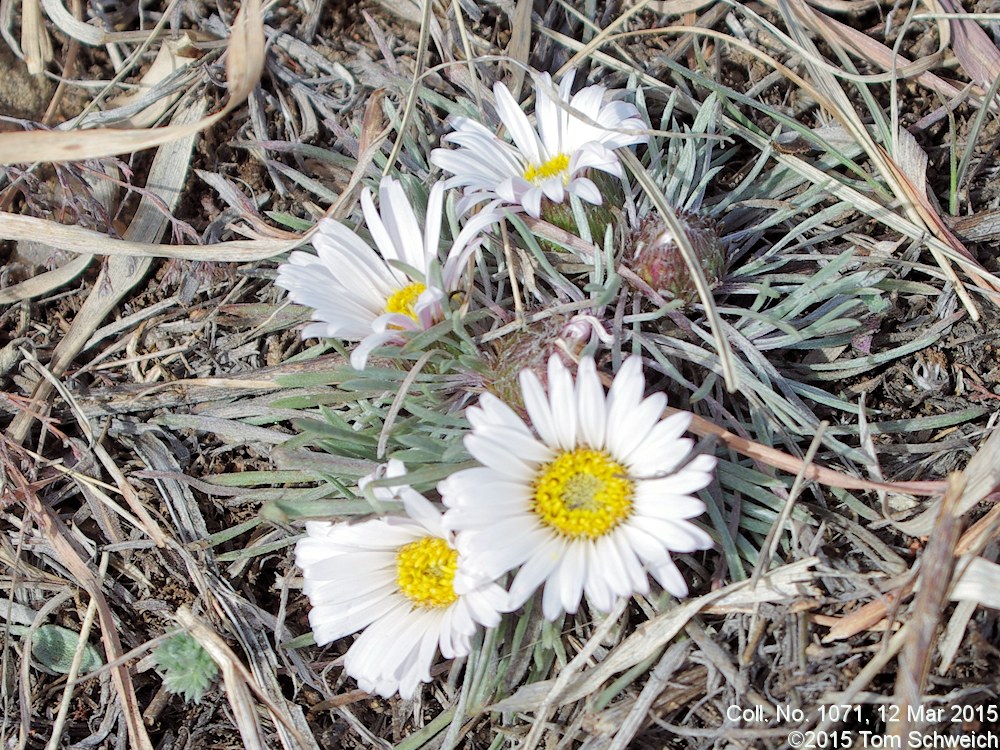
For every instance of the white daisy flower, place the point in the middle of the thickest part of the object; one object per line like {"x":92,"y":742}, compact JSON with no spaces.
{"x":373,"y":296}
{"x":590,"y":501}
{"x":401,"y":581}
{"x":573,"y":133}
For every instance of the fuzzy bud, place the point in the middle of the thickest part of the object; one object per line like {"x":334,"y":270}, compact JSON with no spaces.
{"x":530,"y":348}
{"x":657,"y":260}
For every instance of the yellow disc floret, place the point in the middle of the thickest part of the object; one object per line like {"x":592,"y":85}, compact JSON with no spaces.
{"x":425,"y":572}
{"x":583,"y":493}
{"x":403,"y":300}
{"x":554,"y":167}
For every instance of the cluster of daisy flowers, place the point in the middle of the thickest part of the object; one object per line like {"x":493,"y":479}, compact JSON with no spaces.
{"x":375,"y":295}
{"x":580,"y":492}
{"x":590,"y":500}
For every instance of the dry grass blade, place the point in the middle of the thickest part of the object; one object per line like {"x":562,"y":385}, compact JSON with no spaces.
{"x":244,"y":65}
{"x":887,"y":59}
{"x":84,"y":32}
{"x":788,"y":582}
{"x":976,"y":583}
{"x":427,"y":18}
{"x":774,"y":536}
{"x":174,"y":55}
{"x":800,"y":18}
{"x":982,"y":476}
{"x":45,"y":282}
{"x":981,"y":533}
{"x":602,"y":37}
{"x":89,"y":242}
{"x":55,"y":532}
{"x":936,"y":567}
{"x":167,"y":176}
{"x":35,"y":41}
{"x":780,"y":460}
{"x":569,"y":672}
{"x":865,"y":618}
{"x":665,"y":668}
{"x":677,"y":7}
{"x":975,"y":50}
{"x":518,"y":47}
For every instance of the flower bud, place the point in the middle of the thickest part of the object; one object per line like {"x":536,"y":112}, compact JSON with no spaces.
{"x":530,"y":348}
{"x":655,"y":257}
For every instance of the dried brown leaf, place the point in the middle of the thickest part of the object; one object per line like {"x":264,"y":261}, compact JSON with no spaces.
{"x":244,"y":64}
{"x":975,"y":50}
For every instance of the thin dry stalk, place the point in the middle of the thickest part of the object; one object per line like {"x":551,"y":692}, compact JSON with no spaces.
{"x":937,"y":564}
{"x":54,"y":531}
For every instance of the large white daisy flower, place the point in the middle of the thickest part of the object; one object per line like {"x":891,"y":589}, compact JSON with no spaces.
{"x":372,"y":296}
{"x":590,"y":501}
{"x":550,"y":159}
{"x":401,"y":581}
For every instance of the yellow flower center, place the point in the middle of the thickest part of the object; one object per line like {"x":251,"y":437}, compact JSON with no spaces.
{"x":402,"y":301}
{"x":425,"y":572}
{"x":583,"y":493}
{"x":554,"y":167}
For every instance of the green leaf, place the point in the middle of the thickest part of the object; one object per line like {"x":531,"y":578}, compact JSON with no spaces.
{"x":53,"y":647}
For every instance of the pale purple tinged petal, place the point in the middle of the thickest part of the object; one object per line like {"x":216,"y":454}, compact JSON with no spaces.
{"x":517,"y":124}
{"x":421,"y":510}
{"x":586,"y":190}
{"x":553,"y":189}
{"x":532,"y":202}
{"x":359,"y":357}
{"x":468,"y":241}
{"x":380,"y":234}
{"x":549,"y":117}
{"x":595,"y":156}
